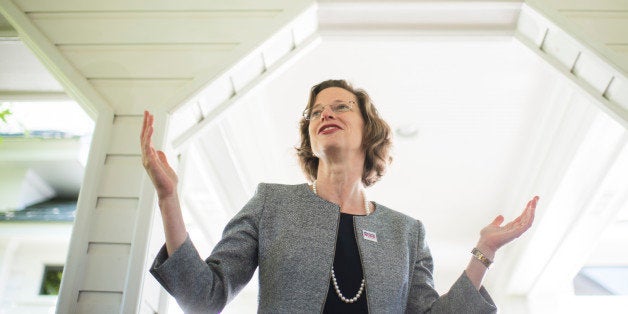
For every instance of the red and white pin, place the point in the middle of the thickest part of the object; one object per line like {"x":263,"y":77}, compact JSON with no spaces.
{"x":368,"y":235}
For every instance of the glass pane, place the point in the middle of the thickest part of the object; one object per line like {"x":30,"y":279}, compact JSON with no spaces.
{"x":51,"y":281}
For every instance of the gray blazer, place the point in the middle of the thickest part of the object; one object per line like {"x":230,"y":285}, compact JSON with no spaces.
{"x":290,"y":233}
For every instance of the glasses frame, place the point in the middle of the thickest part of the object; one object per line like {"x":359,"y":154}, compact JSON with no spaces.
{"x":306,"y":112}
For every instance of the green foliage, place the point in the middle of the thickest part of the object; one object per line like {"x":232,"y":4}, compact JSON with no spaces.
{"x":3,"y":115}
{"x":52,"y":280}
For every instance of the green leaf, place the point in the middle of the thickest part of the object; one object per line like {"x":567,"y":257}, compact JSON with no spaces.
{"x":4,"y":113}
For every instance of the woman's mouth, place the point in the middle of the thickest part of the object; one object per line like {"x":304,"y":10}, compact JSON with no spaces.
{"x":328,"y":129}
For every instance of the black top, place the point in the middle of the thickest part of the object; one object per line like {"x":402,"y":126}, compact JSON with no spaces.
{"x":348,"y":270}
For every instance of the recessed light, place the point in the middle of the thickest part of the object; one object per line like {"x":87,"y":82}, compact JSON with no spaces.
{"x":408,"y":131}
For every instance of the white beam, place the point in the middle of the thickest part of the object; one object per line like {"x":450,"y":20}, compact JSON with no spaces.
{"x":213,"y":117}
{"x":28,"y":96}
{"x":558,"y":20}
{"x":74,"y":83}
{"x":8,"y":34}
{"x":614,"y":106}
{"x":24,"y":150}
{"x":404,"y":18}
{"x":575,"y":211}
{"x":238,"y":80}
{"x":609,"y":196}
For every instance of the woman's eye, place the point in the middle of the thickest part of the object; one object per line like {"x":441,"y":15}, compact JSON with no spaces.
{"x":316,"y":113}
{"x":342,"y":107}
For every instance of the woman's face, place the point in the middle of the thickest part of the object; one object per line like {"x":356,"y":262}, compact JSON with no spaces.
{"x":339,"y":131}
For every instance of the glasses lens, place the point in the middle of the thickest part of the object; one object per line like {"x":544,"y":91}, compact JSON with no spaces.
{"x":341,"y":107}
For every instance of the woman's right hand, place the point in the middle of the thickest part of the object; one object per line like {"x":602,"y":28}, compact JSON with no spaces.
{"x":165,"y":182}
{"x":163,"y":176}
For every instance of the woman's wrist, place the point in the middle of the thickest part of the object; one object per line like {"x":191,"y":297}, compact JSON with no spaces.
{"x":486,"y":250}
{"x":168,"y":201}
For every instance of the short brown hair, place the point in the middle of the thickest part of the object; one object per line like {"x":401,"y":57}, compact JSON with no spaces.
{"x":376,"y":138}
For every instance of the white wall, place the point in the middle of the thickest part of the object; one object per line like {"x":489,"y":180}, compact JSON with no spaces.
{"x":25,"y":249}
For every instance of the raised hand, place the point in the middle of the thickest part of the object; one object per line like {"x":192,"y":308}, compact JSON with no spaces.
{"x":494,"y":236}
{"x":163,"y":176}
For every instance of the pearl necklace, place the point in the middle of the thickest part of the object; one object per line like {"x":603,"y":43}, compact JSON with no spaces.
{"x":333,"y":273}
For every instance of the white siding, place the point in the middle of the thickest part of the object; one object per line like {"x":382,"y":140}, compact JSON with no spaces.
{"x":118,"y":58}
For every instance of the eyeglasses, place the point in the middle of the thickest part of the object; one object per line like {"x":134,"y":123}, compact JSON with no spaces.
{"x":336,"y":108}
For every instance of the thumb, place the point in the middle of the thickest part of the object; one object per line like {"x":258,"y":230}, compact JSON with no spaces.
{"x":498,"y":220}
{"x":163,"y":159}
{"x":165,"y":164}
{"x":162,"y":156}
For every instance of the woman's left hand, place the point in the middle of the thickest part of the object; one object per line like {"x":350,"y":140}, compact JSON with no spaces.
{"x":494,"y":236}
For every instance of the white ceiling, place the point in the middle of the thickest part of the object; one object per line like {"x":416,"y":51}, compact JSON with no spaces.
{"x":21,"y":71}
{"x":473,"y":103}
{"x":479,"y":105}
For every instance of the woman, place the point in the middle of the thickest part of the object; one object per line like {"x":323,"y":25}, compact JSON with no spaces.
{"x":324,"y":247}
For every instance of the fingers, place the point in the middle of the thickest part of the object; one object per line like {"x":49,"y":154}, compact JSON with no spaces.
{"x":147,"y":131}
{"x":148,"y":151}
{"x":527,"y":217}
{"x":146,"y":125}
{"x":523,"y":218}
{"x":497,"y":235}
{"x":531,"y":211}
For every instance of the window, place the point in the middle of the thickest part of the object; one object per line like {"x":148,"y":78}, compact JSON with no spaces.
{"x":51,"y":280}
{"x":593,"y":280}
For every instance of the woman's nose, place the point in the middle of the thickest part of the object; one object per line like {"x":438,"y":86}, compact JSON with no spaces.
{"x":327,"y":113}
